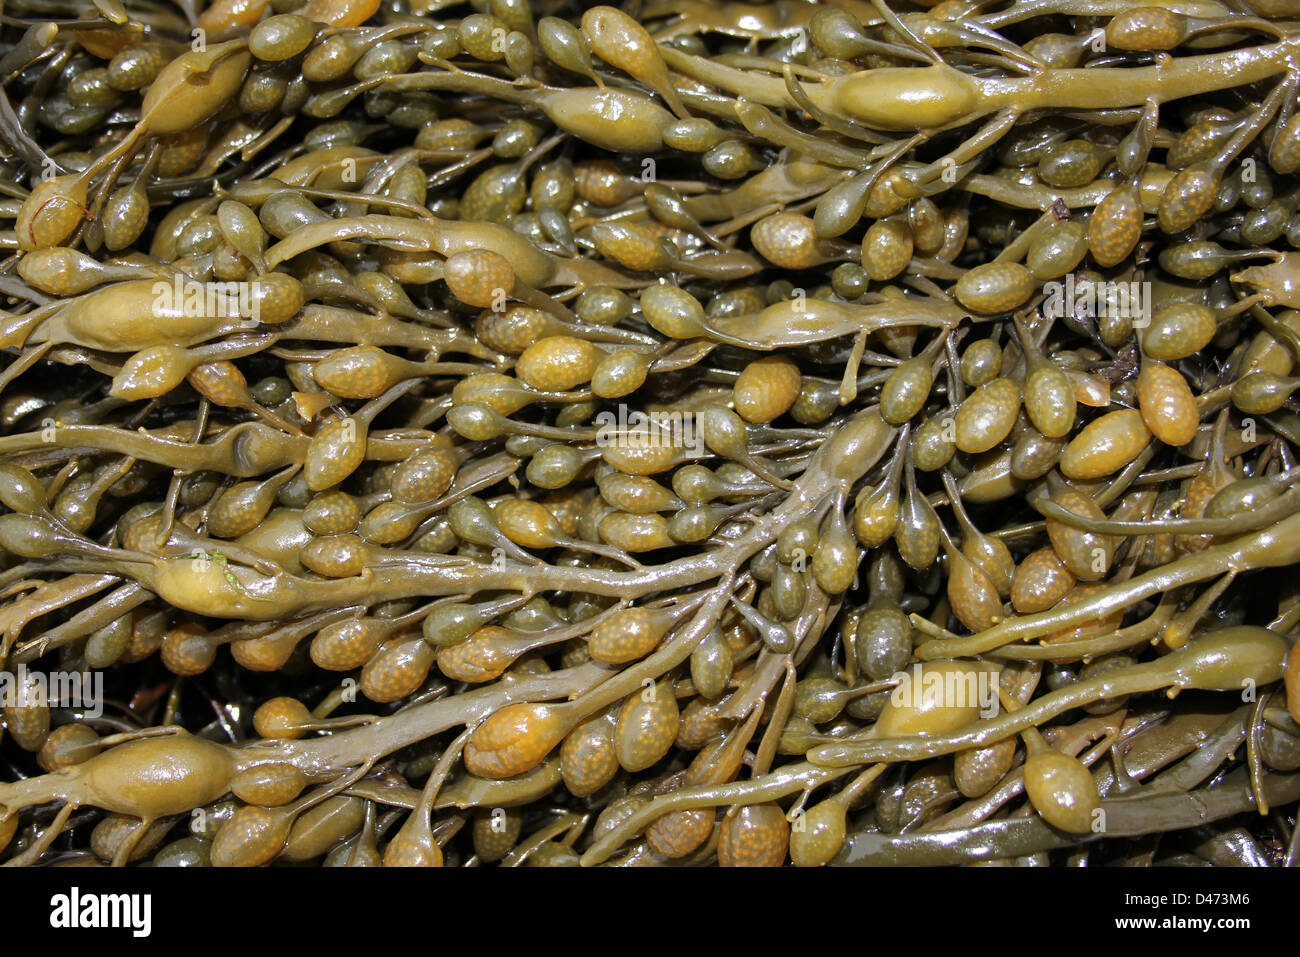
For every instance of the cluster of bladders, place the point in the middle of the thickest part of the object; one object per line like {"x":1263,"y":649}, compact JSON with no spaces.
{"x":681,"y":434}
